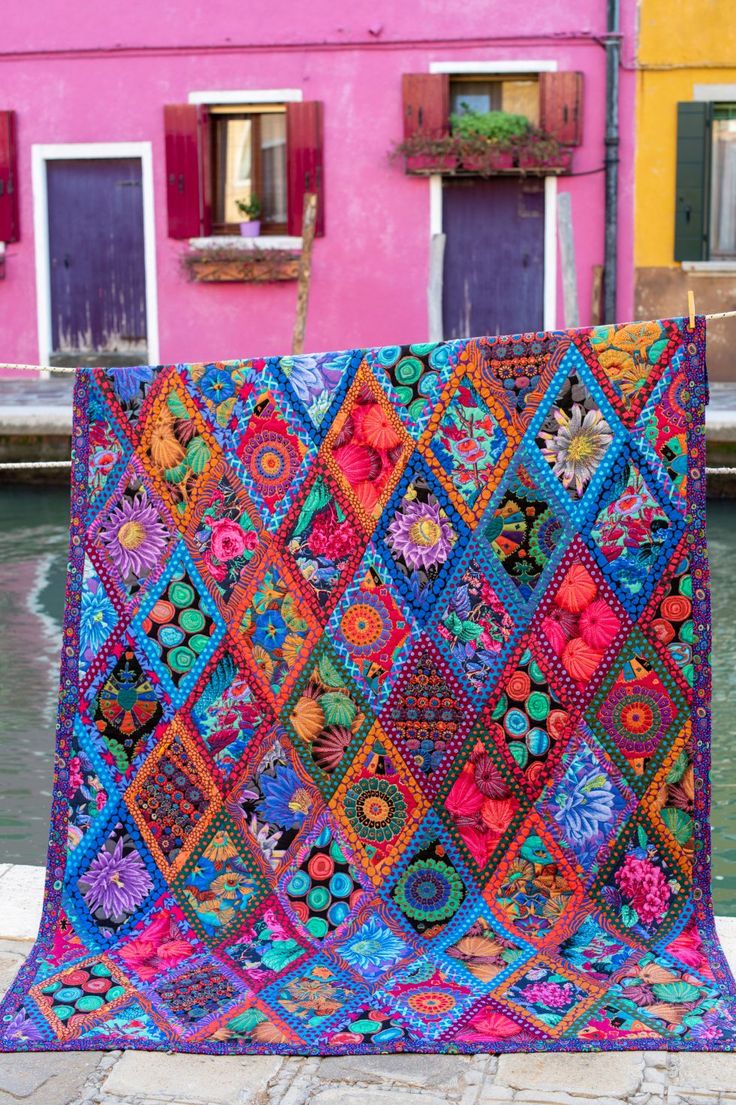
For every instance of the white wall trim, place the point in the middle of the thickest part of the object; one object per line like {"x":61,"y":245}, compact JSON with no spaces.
{"x":550,"y":253}
{"x":262,"y":241}
{"x":435,"y":204}
{"x":708,"y":93}
{"x":247,"y":96}
{"x":40,"y":154}
{"x":508,"y":65}
{"x":710,"y":268}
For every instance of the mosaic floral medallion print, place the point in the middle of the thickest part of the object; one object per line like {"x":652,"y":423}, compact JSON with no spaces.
{"x":384,"y":720}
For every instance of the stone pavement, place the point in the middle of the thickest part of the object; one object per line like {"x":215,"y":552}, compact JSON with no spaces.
{"x":36,"y":420}
{"x":153,"y":1078}
{"x":30,"y":406}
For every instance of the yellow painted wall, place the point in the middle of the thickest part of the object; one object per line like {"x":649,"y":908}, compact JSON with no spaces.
{"x":681,"y":45}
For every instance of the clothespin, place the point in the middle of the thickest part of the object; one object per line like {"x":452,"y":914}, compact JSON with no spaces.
{"x":691,"y":309}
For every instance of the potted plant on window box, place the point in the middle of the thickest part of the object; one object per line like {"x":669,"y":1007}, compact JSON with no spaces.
{"x":479,"y":155}
{"x":250,"y":227}
{"x":539,"y":152}
{"x":485,"y":143}
{"x":486,"y":139}
{"x":423,"y":154}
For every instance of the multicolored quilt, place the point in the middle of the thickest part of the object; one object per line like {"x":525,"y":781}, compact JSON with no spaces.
{"x":384,"y":714}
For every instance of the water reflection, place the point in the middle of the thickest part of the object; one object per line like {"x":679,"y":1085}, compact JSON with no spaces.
{"x":33,"y":548}
{"x":722,"y":542}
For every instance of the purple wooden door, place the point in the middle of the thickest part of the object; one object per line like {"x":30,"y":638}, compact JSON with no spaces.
{"x":493,"y":279}
{"x":98,"y":276}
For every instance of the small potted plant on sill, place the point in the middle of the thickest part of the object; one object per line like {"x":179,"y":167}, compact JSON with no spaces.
{"x":250,"y":227}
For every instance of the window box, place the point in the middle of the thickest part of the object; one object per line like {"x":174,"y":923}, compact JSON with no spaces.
{"x":542,"y":163}
{"x":493,"y":161}
{"x":521,"y":124}
{"x":439,"y":161}
{"x":536,"y":154}
{"x":240,"y":266}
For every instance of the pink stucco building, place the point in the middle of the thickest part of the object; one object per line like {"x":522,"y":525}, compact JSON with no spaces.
{"x":95,"y":266}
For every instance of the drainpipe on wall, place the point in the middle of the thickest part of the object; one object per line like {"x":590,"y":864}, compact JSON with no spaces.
{"x":613,"y":58}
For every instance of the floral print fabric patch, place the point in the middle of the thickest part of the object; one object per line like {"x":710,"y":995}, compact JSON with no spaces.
{"x":384,"y":713}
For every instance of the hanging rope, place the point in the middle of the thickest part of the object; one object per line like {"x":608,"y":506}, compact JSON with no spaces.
{"x":35,"y":368}
{"x":67,"y":370}
{"x":13,"y":465}
{"x":8,"y":466}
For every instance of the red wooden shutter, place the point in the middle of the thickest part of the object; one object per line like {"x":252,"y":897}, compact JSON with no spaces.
{"x":561,"y":106}
{"x":9,"y":223}
{"x":426,"y":99}
{"x":205,"y":170}
{"x":183,"y":172}
{"x":304,"y":162}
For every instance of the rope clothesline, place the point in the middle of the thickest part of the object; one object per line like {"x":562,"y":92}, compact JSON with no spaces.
{"x":30,"y":464}
{"x":13,"y":464}
{"x":8,"y":465}
{"x":67,"y":369}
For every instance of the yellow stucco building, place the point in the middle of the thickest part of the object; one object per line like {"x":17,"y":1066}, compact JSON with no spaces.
{"x":685,"y":186}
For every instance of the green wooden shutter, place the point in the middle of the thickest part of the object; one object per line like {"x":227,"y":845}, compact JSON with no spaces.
{"x":693,"y":171}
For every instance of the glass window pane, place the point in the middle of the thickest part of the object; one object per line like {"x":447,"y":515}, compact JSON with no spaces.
{"x":521,"y":98}
{"x":474,"y":96}
{"x":723,"y":190}
{"x":273,"y":168}
{"x":233,"y":167}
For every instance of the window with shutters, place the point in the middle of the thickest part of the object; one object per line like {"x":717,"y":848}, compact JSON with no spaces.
{"x":248,"y":161}
{"x":551,"y":102}
{"x":218,"y":154}
{"x":705,"y":201}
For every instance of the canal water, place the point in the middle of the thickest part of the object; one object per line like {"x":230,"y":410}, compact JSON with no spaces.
{"x":33,"y":545}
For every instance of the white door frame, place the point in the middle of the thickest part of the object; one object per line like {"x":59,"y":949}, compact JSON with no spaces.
{"x":72,"y":151}
{"x":515,"y":65}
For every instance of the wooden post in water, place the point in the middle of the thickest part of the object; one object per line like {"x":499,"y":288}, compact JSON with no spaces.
{"x":596,"y":296}
{"x":434,"y":287}
{"x":567,"y":259}
{"x":309,"y":221}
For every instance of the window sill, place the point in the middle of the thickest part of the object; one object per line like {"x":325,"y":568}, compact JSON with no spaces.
{"x":710,"y":268}
{"x":233,"y":241}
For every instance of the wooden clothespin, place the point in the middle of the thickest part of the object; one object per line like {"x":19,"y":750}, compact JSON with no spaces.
{"x":691,"y":309}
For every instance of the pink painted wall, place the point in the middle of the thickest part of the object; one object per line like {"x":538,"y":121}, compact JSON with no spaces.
{"x":73,"y":74}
